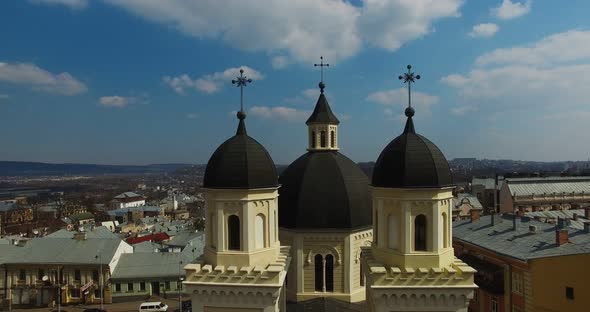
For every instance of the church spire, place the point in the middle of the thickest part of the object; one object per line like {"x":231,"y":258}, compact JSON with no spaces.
{"x":241,"y":82}
{"x":408,"y":79}
{"x":322,"y":124}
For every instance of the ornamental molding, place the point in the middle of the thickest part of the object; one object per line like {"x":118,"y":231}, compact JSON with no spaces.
{"x":324,"y":251}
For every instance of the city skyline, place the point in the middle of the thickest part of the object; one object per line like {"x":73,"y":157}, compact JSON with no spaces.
{"x":111,"y":82}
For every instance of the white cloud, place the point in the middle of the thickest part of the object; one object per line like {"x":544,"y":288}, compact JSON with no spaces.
{"x":116,"y":101}
{"x":399,"y":97}
{"x":280,"y":112}
{"x":548,"y":72}
{"x":299,"y":30}
{"x":510,"y":10}
{"x":573,"y":45}
{"x":390,"y":23}
{"x":40,"y":79}
{"x":484,"y":30}
{"x":279,"y":62}
{"x":3,"y":96}
{"x":210,"y":83}
{"x":462,"y":110}
{"x":307,"y":96}
{"x":72,"y":4}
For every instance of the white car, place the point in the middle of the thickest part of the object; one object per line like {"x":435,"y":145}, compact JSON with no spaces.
{"x":153,"y":307}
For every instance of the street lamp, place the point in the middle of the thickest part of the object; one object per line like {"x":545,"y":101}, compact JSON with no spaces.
{"x":179,"y":286}
{"x":100,"y":280}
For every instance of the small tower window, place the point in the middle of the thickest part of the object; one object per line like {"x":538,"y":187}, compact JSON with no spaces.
{"x":332,"y":138}
{"x":329,"y":273}
{"x":323,"y":139}
{"x":420,"y":233}
{"x":446,"y":233}
{"x":233,"y":232}
{"x":319,"y":273}
{"x":313,"y":139}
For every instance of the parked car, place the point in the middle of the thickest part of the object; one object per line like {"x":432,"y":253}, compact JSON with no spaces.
{"x":153,"y":307}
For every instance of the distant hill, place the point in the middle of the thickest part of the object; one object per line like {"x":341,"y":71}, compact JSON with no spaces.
{"x":21,"y":168}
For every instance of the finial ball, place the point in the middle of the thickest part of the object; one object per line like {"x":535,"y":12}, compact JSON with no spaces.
{"x":241,"y":115}
{"x":322,"y":85}
{"x":241,"y":71}
{"x":400,"y":77}
{"x":409,"y":66}
{"x":418,"y":77}
{"x":409,"y":112}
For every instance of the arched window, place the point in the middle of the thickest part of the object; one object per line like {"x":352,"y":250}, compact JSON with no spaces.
{"x":233,"y":232}
{"x":260,"y":231}
{"x":330,"y":273}
{"x":323,"y":139}
{"x":332,"y":138}
{"x":445,"y":227}
{"x":319,"y":273}
{"x":420,"y":233}
{"x":362,"y":275}
{"x":393,"y":230}
{"x":213,"y":230}
{"x":313,"y":139}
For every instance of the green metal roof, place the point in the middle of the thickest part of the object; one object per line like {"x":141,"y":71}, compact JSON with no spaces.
{"x":155,"y":265}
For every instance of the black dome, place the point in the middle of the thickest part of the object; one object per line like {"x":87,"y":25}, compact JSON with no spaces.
{"x":411,"y":161}
{"x":324,"y":190}
{"x":240,"y":163}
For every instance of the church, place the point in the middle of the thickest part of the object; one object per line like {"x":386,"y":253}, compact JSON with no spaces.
{"x":323,"y":230}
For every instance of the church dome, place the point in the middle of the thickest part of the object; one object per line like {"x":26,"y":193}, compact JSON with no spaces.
{"x":411,"y":161}
{"x":240,"y":163}
{"x":324,"y":190}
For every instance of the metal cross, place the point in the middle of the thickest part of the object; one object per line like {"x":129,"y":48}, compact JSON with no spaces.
{"x":409,"y":79}
{"x":321,"y":65}
{"x":241,"y":82}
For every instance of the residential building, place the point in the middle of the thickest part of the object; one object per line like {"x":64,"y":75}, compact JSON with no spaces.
{"x":139,"y":276}
{"x":549,"y":193}
{"x":524,"y":264}
{"x":63,"y":269}
{"x":127,"y":199}
{"x":485,"y":189}
{"x":463,"y":204}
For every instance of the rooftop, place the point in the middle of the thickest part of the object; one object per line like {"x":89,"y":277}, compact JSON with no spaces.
{"x":548,"y":185}
{"x":520,"y":244}
{"x":158,"y":264}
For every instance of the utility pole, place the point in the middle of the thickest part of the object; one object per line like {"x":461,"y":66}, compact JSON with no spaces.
{"x":179,"y":286}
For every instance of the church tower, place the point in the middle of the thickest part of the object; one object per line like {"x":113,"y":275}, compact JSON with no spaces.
{"x":324,"y":214}
{"x":411,"y":265}
{"x":243,"y":267}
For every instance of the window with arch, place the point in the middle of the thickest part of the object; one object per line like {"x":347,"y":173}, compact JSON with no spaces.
{"x":324,"y":273}
{"x":313,"y":139}
{"x":319,"y":272}
{"x":332,"y":138}
{"x":362,"y":275}
{"x":420,"y":233}
{"x":213,"y":230}
{"x":445,"y":227}
{"x":233,"y":233}
{"x":260,"y":231}
{"x":329,"y":273}
{"x":393,"y":232}
{"x":323,"y":139}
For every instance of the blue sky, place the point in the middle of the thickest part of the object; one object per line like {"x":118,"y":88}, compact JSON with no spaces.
{"x":149,"y":81}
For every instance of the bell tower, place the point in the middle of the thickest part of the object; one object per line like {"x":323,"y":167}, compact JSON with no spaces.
{"x":242,"y":254}
{"x":411,"y":262}
{"x":322,"y":125}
